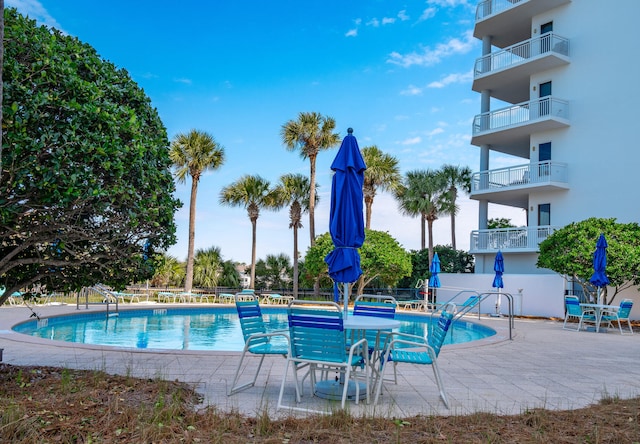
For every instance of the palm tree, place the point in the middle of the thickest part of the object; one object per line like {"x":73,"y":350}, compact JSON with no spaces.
{"x":312,"y":133}
{"x":192,"y":154}
{"x":382,"y":174}
{"x":423,"y":194}
{"x":252,"y":193}
{"x":293,"y":190}
{"x":229,"y":276}
{"x":275,"y":271}
{"x":455,"y":176}
{"x":168,"y":271}
{"x":207,"y":267}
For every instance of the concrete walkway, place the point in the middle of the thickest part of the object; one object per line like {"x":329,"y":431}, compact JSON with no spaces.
{"x":543,"y":366}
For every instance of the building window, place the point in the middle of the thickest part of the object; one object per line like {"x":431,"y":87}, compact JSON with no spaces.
{"x":544,"y":214}
{"x":545,"y":41}
{"x":544,"y":155}
{"x":544,"y":104}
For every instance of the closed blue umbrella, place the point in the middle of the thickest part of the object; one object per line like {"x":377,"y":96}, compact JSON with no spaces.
{"x":434,"y":279}
{"x":346,"y":222}
{"x":599,"y":277}
{"x":498,"y":267}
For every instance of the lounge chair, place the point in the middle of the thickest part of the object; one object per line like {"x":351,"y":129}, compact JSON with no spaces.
{"x":618,"y":315}
{"x":256,"y":340}
{"x":317,"y":338}
{"x":414,"y":349}
{"x":575,"y":311}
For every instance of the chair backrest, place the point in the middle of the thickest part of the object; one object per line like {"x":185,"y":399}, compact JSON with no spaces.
{"x":625,"y":309}
{"x":471,"y":301}
{"x":572,"y":304}
{"x":251,"y":321}
{"x":317,"y":333}
{"x":376,"y":306}
{"x":439,"y":331}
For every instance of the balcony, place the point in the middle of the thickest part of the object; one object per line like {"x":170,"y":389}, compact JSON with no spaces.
{"x":513,"y":240}
{"x":511,"y":186}
{"x":508,"y":129}
{"x":507,"y":72}
{"x":509,"y":21}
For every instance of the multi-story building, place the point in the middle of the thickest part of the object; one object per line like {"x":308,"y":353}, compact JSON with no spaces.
{"x":559,"y":95}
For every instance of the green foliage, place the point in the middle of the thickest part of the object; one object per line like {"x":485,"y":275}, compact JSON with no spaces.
{"x":499,"y":222}
{"x":169,"y":271}
{"x":569,"y":251}
{"x":274,"y":272}
{"x":381,"y":258}
{"x":451,"y":261}
{"x":85,"y":187}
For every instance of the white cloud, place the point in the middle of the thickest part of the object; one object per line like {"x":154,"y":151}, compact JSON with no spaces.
{"x":402,"y":15}
{"x":435,"y":132}
{"x":388,"y":20}
{"x":373,"y":22}
{"x":183,"y":81}
{"x":452,"y":78}
{"x":429,"y":57}
{"x":35,"y":10}
{"x":351,"y":33}
{"x":449,"y":3}
{"x":411,"y":91}
{"x":427,"y":14}
{"x":412,"y":141}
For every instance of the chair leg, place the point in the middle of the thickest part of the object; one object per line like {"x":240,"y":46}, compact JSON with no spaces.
{"x":284,"y":381}
{"x":436,"y":373}
{"x":235,"y":389}
{"x":385,"y":364}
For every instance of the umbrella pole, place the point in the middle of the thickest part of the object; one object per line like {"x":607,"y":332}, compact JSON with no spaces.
{"x":346,"y":299}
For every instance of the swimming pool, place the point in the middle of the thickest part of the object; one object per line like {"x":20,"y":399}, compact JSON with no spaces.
{"x":212,"y":328}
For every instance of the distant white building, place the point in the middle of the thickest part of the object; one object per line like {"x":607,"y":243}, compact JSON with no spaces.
{"x":558,"y":82}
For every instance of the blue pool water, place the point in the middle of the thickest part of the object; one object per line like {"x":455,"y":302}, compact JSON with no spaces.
{"x":194,"y":328}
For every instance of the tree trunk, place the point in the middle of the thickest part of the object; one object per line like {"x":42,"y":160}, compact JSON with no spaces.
{"x":295,"y":261}
{"x":1,"y":81}
{"x":253,"y":254}
{"x":423,"y":242}
{"x":430,"y":230}
{"x":453,"y":231}
{"x":368,"y":202}
{"x":312,"y":200}
{"x":188,"y":279}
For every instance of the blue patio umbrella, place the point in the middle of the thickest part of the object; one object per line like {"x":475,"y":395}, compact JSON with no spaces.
{"x":434,"y":279}
{"x":599,"y":277}
{"x":346,"y":222}
{"x":498,"y":267}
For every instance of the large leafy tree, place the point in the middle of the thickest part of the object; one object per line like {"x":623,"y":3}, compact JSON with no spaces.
{"x":293,"y":190}
{"x":311,"y":133}
{"x":455,"y":177}
{"x":569,"y":251}
{"x":192,"y":154}
{"x":252,"y":193}
{"x":381,"y":258}
{"x":382,"y":174}
{"x":423,"y":194}
{"x":451,"y":261}
{"x":274,"y":272}
{"x":86,"y":187}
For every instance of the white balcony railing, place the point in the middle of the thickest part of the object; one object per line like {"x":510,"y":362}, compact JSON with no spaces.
{"x":488,"y":7}
{"x":521,"y":113}
{"x":523,"y":239}
{"x":521,"y":52}
{"x":535,"y":173}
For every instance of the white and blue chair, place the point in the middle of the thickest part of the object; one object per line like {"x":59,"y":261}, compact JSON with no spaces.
{"x":317,"y":337}
{"x":412,"y":349}
{"x":573,"y":310}
{"x":619,"y":315}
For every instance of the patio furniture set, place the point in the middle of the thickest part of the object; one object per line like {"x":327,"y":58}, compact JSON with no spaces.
{"x":322,"y":341}
{"x":598,"y":315}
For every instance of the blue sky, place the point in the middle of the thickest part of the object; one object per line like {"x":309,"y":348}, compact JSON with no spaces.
{"x":399,"y":73}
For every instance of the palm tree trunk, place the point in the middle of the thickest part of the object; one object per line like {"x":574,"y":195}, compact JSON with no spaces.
{"x":367,"y":204}
{"x":312,"y":200}
{"x":295,"y":262}
{"x":188,"y":279}
{"x":430,"y":230}
{"x":453,"y":231}
{"x":423,"y":242}
{"x":253,"y":254}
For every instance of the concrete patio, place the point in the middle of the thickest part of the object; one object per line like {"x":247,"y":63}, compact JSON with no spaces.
{"x":543,"y":366}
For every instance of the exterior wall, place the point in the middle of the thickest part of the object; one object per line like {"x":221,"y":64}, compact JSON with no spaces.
{"x":541,"y":295}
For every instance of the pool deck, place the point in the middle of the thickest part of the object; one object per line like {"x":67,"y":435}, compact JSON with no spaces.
{"x":543,"y":366}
